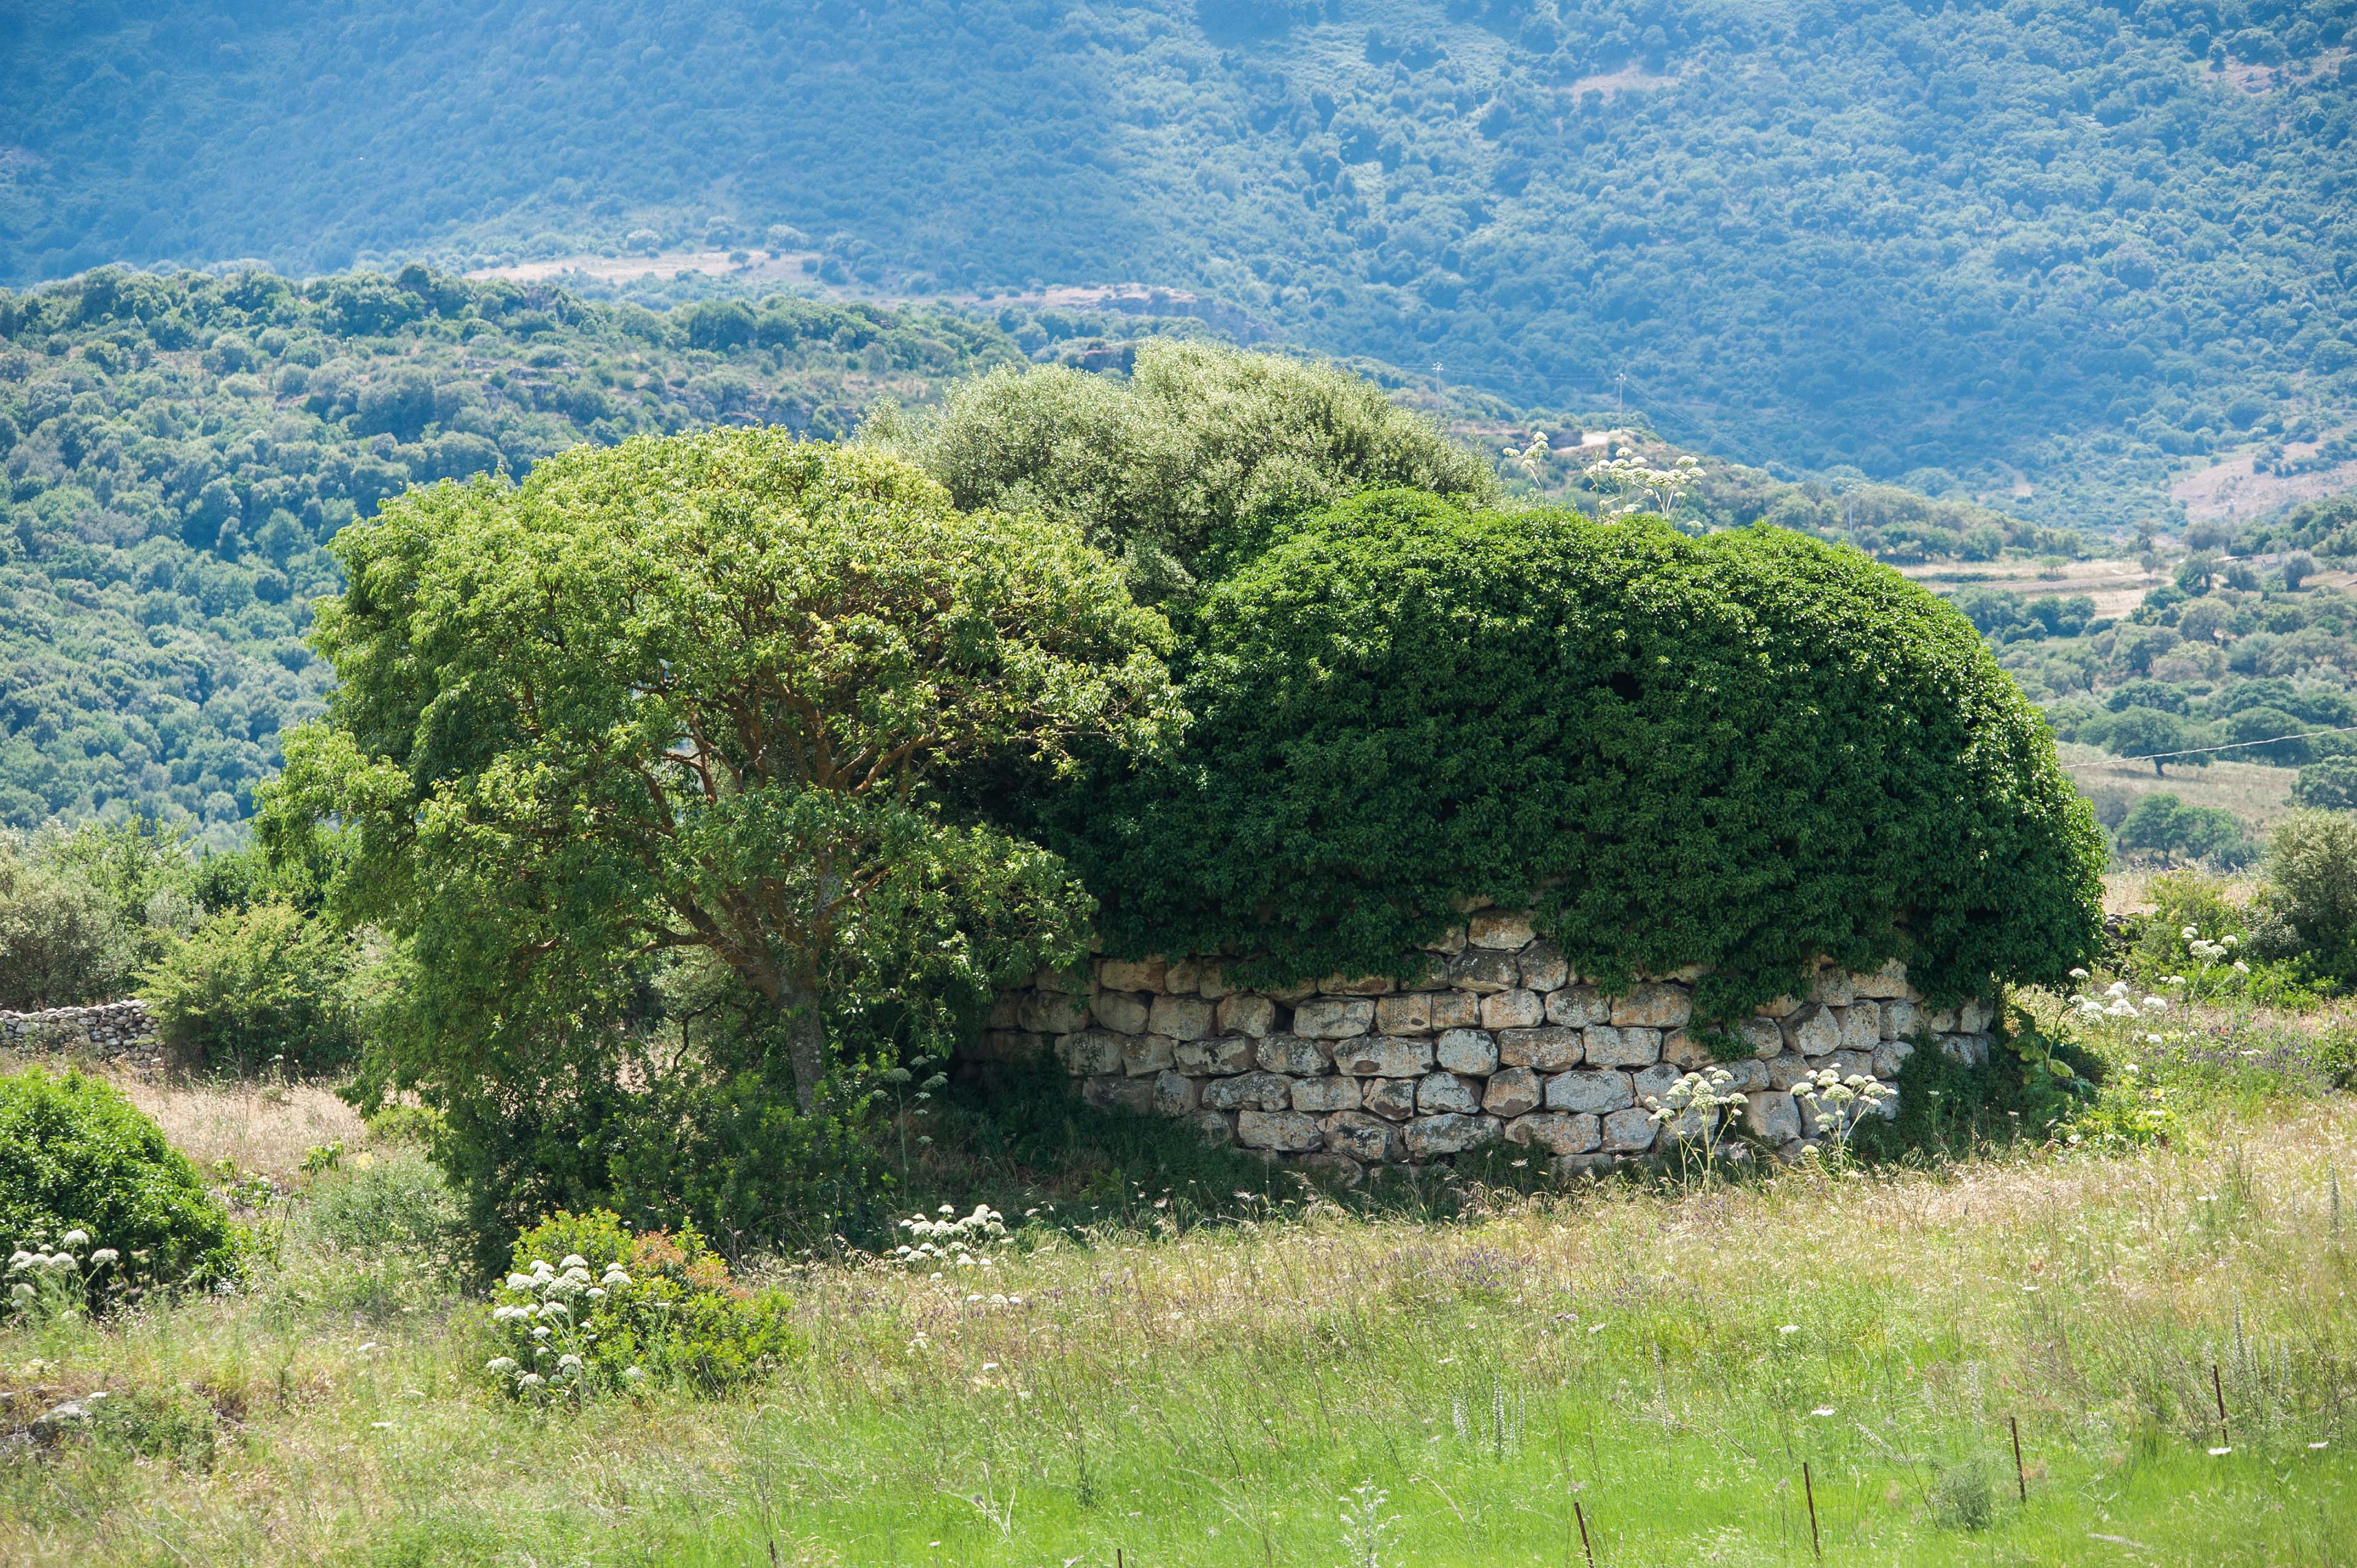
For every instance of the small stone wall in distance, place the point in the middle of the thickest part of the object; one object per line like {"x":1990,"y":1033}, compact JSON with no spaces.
{"x":118,"y":1034}
{"x":1496,"y":1041}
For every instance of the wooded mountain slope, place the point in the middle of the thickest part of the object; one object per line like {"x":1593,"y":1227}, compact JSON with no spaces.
{"x":2074,"y":240}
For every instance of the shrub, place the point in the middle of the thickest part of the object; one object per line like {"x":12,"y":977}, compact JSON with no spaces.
{"x":2159,"y":823}
{"x":62,"y":942}
{"x":2327,"y":786}
{"x":253,"y":984}
{"x":2308,"y":905}
{"x":1739,"y":751}
{"x":76,"y":1156}
{"x":591,"y":1308}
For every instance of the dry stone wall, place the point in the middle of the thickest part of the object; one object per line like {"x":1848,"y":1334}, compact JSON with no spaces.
{"x":120,"y":1034}
{"x":1495,"y":1040}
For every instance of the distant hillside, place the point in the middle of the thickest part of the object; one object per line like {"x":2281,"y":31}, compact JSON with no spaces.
{"x":2036,"y":252}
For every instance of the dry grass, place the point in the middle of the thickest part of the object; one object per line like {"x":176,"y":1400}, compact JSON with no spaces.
{"x":2253,"y":791}
{"x":263,"y":1128}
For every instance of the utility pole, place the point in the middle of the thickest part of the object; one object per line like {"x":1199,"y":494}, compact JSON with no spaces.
{"x":1621,"y":395}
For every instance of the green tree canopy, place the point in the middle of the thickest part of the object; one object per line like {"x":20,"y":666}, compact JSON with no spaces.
{"x":698,"y":694}
{"x":2159,"y":823}
{"x":2149,"y":735}
{"x":1741,"y":752}
{"x":1196,"y":454}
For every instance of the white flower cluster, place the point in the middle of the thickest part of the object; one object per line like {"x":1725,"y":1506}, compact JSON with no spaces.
{"x":1633,"y":481}
{"x":952,"y":1240}
{"x":1837,"y":1104}
{"x":39,"y":1272}
{"x":552,"y":1332}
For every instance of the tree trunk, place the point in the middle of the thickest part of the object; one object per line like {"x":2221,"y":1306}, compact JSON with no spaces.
{"x":806,"y":1044}
{"x":2157,"y":771}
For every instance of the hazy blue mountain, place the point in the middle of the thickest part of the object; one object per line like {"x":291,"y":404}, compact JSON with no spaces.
{"x":2067,"y":240}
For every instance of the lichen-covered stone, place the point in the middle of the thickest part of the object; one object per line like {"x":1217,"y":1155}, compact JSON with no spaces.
{"x":1438,"y":1091}
{"x":1887,"y":982}
{"x":1390,"y":1097}
{"x":1591,"y":1091}
{"x":1384,"y":1056}
{"x":1183,"y":977}
{"x":1455,"y":1009}
{"x":1408,"y":1014}
{"x":1250,"y":1090}
{"x":1330,"y":1093}
{"x":1764,"y":1036}
{"x":1217,"y":1126}
{"x":1630,"y":1132}
{"x":1431,"y":1136}
{"x":1120,"y":1092}
{"x":1470,"y":1052}
{"x":1450,"y":943}
{"x":1515,"y":1009}
{"x":1890,"y":1057}
{"x":1175,"y":1094}
{"x":1211,"y":985}
{"x":1143,"y":1055}
{"x":1546,"y":1048}
{"x":1363,"y":1137}
{"x":1293,"y":1053}
{"x":1557,"y":1133}
{"x":1577,"y":1006}
{"x":1789,"y":1068}
{"x":1242,"y":1013}
{"x":1902,"y":1020}
{"x":1832,"y":988}
{"x":1543,"y":968}
{"x":1771,"y":1117}
{"x":1513,"y":1090}
{"x":1120,"y":1011}
{"x":1607,"y":1045}
{"x":1654,"y":1083}
{"x":1509,"y":930}
{"x":1861,"y":1025}
{"x":1053,"y":1012}
{"x":1288,"y":1130}
{"x":1813,"y":1030}
{"x":1181,"y":1017}
{"x":1681,"y":1049}
{"x":1333,"y":1018}
{"x":1653,"y":1004}
{"x":1216,"y":1056}
{"x":1356,"y":985}
{"x":1089,"y":1052}
{"x":1483,"y":970}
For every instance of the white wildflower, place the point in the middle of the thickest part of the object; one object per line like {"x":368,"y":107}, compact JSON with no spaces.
{"x":105,"y":1255}
{"x":501,"y":1365}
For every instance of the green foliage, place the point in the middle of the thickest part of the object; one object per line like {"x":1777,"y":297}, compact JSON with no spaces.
{"x":578,"y":731}
{"x":176,"y":451}
{"x":2309,"y":901}
{"x":76,"y":1155}
{"x":258,"y":985}
{"x":2182,"y":901}
{"x":2149,"y":734}
{"x":176,"y":1425}
{"x":2161,"y":824}
{"x":1528,"y":194}
{"x":652,"y":1306}
{"x":2327,"y":786}
{"x":1716,"y":752}
{"x":1951,"y":1109}
{"x":1190,"y":462}
{"x":62,"y":941}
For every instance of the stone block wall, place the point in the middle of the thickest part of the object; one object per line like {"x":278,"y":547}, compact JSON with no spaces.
{"x":119,"y":1034}
{"x":1495,"y":1040}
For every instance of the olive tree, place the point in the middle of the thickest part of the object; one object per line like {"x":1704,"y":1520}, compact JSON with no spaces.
{"x":701,"y":693}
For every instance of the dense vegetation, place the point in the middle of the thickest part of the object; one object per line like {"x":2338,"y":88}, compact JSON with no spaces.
{"x":1739,"y":752}
{"x":2125,"y":223}
{"x":177,"y":450}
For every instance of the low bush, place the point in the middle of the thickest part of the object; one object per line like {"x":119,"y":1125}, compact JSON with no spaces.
{"x":75,"y":1156}
{"x":1949,"y":1108}
{"x":2307,"y":909}
{"x":62,"y":943}
{"x":593,"y":1308}
{"x":256,"y":985}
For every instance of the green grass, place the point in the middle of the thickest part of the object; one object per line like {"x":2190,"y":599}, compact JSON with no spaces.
{"x":1221,"y":1393}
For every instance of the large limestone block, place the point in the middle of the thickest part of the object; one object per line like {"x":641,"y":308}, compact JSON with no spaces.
{"x":1175,"y":1094}
{"x":1290,"y":1130}
{"x":1211,"y":985}
{"x":1454,"y":1010}
{"x":1789,"y":1068}
{"x":1363,"y":1137}
{"x":1546,"y":1048}
{"x":1429,"y":1137}
{"x":1902,"y":1020}
{"x":1391,"y":1098}
{"x":1181,"y":1017}
{"x":1654,"y":1084}
{"x":1443,"y":1092}
{"x":1861,"y":1025}
{"x":1606,"y":1044}
{"x":1543,"y":968}
{"x":1132,"y":974}
{"x":1833,"y":987}
{"x":1484,"y":970}
{"x":1120,"y":1011}
{"x":1384,"y":1056}
{"x":1220,"y":1056}
{"x":1515,"y":1009}
{"x":1472,"y":1051}
{"x":1653,"y":1004}
{"x":1592,"y":1091}
{"x":1557,"y":1131}
{"x":1251,"y":1091}
{"x":1408,"y":1014}
{"x":1507,"y":929}
{"x":1887,"y":982}
{"x":1292,"y":1053}
{"x":1813,"y":1030}
{"x":1323,"y":1094}
{"x":1681,"y":1049}
{"x":1772,"y":1116}
{"x":1630,"y":1132}
{"x":1450,"y":943}
{"x":1513,"y":1090}
{"x":1356,"y":985}
{"x":1241,"y":1013}
{"x":1577,"y":1006}
{"x":1107,"y":1093}
{"x":1333,"y":1018}
{"x":1142,"y":1056}
{"x":1053,"y":1013}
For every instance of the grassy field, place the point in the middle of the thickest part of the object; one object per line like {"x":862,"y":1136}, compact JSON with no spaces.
{"x":1319,"y":1388}
{"x":2251,"y":791}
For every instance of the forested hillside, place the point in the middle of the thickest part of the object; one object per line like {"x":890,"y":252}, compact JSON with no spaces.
{"x":2070,"y":242}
